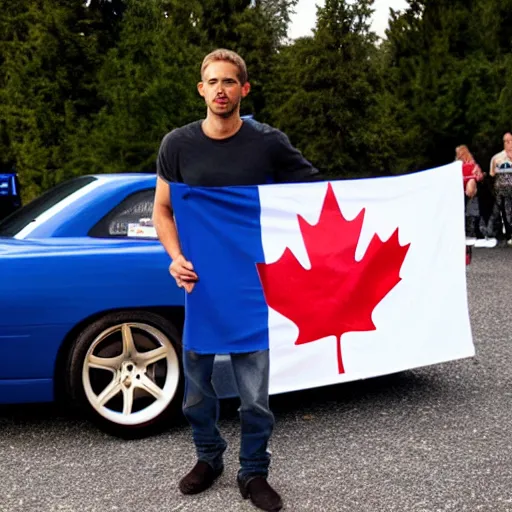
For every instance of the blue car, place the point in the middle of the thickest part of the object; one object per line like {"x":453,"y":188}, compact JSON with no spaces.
{"x":88,"y":310}
{"x":89,"y":313}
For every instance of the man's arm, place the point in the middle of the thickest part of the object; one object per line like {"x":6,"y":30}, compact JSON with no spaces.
{"x":165,"y":225}
{"x":163,"y":219}
{"x":290,"y":164}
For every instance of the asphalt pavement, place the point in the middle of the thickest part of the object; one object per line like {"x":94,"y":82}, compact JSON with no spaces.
{"x":429,"y":440}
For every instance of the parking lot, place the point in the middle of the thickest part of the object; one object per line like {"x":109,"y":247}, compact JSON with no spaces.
{"x":432,"y":439}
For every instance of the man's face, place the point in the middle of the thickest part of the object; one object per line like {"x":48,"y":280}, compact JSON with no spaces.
{"x":507,"y":142}
{"x":222,"y":89}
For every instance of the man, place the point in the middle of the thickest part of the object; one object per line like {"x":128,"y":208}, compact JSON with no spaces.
{"x":223,"y":150}
{"x":501,"y":170}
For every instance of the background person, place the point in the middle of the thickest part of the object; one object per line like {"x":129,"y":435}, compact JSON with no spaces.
{"x":471,"y":174}
{"x":501,"y":170}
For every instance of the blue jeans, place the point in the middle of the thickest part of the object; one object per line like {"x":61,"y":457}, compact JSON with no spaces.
{"x":201,"y":408}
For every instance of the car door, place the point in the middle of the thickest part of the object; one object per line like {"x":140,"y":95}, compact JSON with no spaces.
{"x":137,"y":258}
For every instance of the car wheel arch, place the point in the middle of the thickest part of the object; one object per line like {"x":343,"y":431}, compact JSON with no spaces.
{"x":174,"y":314}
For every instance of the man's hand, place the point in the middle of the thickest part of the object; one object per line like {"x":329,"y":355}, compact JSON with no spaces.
{"x":183,"y":272}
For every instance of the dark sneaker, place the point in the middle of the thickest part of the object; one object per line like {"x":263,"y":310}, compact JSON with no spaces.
{"x":200,"y":478}
{"x":261,"y":494}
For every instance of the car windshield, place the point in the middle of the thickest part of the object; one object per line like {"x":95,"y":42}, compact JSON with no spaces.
{"x":21,"y":218}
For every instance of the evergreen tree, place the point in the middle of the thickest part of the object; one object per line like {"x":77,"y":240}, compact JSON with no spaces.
{"x":323,"y":90}
{"x":446,"y":68}
{"x":46,"y":83}
{"x":148,"y":86}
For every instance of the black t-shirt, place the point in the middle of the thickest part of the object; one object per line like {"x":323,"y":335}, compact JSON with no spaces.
{"x":255,"y":155}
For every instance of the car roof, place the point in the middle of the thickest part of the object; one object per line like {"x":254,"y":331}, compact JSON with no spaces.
{"x":97,"y":198}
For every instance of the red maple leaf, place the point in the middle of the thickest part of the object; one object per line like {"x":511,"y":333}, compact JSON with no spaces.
{"x":337,"y":294}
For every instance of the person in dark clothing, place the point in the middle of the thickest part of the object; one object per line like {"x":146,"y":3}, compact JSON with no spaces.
{"x":501,"y":171}
{"x":487,"y":228}
{"x":224,"y":150}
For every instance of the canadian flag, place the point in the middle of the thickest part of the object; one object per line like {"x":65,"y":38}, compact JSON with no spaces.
{"x":342,"y":280}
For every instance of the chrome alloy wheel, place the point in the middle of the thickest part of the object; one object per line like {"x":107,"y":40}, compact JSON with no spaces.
{"x":130,"y":373}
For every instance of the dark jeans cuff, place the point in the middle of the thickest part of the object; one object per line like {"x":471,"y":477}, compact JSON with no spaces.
{"x":215,"y":464}
{"x":246,"y":476}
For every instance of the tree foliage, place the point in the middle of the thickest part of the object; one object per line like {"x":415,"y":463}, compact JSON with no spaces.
{"x":325,"y":90}
{"x":145,"y":84}
{"x":93,"y":86}
{"x":48,"y":83}
{"x":446,"y":67}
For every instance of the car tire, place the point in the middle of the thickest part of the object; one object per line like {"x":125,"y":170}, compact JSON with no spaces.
{"x":124,"y":371}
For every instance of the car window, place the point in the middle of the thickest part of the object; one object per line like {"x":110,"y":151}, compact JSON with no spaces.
{"x":21,"y":218}
{"x":129,"y":219}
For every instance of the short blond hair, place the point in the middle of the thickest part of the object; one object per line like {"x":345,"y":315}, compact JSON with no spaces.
{"x":221,"y":54}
